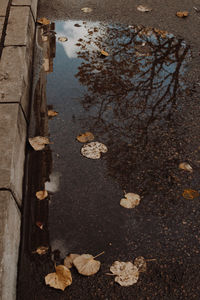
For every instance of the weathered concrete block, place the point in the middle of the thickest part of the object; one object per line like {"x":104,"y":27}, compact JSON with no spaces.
{"x":2,"y":19}
{"x":3,"y":7}
{"x":10,"y":221}
{"x":12,"y":148}
{"x":21,"y":27}
{"x":31,"y":3}
{"x":15,"y":76}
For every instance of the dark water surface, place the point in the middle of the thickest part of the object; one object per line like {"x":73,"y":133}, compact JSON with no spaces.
{"x":137,"y":102}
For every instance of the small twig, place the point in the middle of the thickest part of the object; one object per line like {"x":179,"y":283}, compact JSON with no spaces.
{"x":98,"y":254}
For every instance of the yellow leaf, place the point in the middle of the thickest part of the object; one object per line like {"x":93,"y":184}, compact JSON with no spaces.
{"x":190,"y":194}
{"x":62,"y":39}
{"x":41,"y":195}
{"x":44,"y":21}
{"x":68,"y":261}
{"x":93,"y":150}
{"x":42,"y":250}
{"x":126,"y":273}
{"x":182,"y":14}
{"x":143,"y":8}
{"x":59,"y":279}
{"x":185,"y":166}
{"x":104,"y":53}
{"x":52,"y":113}
{"x":85,"y":137}
{"x":86,"y":264}
{"x":38,"y":142}
{"x":86,"y":9}
{"x":130,"y":201}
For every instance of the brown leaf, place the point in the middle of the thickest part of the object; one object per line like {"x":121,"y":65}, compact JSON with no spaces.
{"x":190,"y":194}
{"x":62,"y":39}
{"x":68,"y":261}
{"x":182,"y":14}
{"x":41,"y":195}
{"x":38,"y":142}
{"x":185,"y":166}
{"x":86,"y":265}
{"x":42,"y":250}
{"x":140,"y":263}
{"x":59,"y":279}
{"x":85,"y":137}
{"x":52,"y":113}
{"x":104,"y":53}
{"x":44,"y":21}
{"x":143,"y":8}
{"x":40,"y":225}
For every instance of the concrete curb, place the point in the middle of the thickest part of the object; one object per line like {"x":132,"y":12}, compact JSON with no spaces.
{"x":17,"y":32}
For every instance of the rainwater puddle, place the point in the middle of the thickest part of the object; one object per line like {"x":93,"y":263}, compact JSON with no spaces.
{"x":131,"y":100}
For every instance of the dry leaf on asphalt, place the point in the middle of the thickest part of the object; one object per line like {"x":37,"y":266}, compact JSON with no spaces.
{"x":68,"y":261}
{"x":86,"y":9}
{"x":185,"y":166}
{"x":130,"y":201}
{"x":126,"y":273}
{"x":38,"y":142}
{"x":42,"y":250}
{"x":190,"y":194}
{"x":104,"y":53}
{"x":140,"y":263}
{"x":62,"y":39}
{"x":52,"y":113}
{"x":40,"y":225}
{"x":85,"y":137}
{"x":86,"y":264}
{"x":182,"y":14}
{"x":41,"y":195}
{"x":43,"y":21}
{"x":59,"y":279}
{"x":93,"y":150}
{"x":143,"y":8}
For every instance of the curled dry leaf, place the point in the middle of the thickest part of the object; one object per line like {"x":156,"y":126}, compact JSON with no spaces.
{"x":38,"y":142}
{"x":62,"y":39}
{"x":126,"y":273}
{"x":86,"y":265}
{"x":86,"y":9}
{"x":140,"y":263}
{"x":185,"y":166}
{"x":190,"y":194}
{"x":93,"y":150}
{"x":52,"y":113}
{"x":104,"y":53}
{"x":68,"y":261}
{"x":182,"y":14}
{"x":59,"y":279}
{"x":42,"y":250}
{"x":130,"y":201}
{"x":41,"y":195}
{"x":143,"y":8}
{"x":43,"y":21}
{"x":85,"y":137}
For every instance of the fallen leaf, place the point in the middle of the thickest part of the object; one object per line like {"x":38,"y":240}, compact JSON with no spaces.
{"x":59,"y":279}
{"x":85,"y":137}
{"x":130,"y":201}
{"x":144,"y":8}
{"x":104,"y":53}
{"x":41,"y":195}
{"x":38,"y":142}
{"x":52,"y":113}
{"x":140,"y":263}
{"x":43,"y":21}
{"x":190,"y":194}
{"x":126,"y":273}
{"x":68,"y":261}
{"x":62,"y":39}
{"x":42,"y":250}
{"x":40,"y":225}
{"x":182,"y":14}
{"x":185,"y":166}
{"x":86,"y":9}
{"x":93,"y":150}
{"x":86,"y":265}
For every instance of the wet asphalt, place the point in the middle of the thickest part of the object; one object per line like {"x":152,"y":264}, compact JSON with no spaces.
{"x":142,"y":102}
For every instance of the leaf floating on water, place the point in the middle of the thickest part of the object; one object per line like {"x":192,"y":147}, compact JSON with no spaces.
{"x":62,"y":39}
{"x":41,"y":195}
{"x":86,"y":9}
{"x":140,"y":263}
{"x":182,"y":14}
{"x":38,"y":142}
{"x":93,"y":150}
{"x":143,"y":8}
{"x":59,"y":279}
{"x":126,"y":273}
{"x":190,"y":194}
{"x":42,"y":250}
{"x":86,"y":264}
{"x":43,"y":21}
{"x":85,"y":137}
{"x":104,"y":53}
{"x":130,"y":201}
{"x":52,"y":113}
{"x":68,"y":261}
{"x":185,"y":166}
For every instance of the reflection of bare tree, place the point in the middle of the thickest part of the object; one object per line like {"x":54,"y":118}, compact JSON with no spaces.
{"x":134,"y":88}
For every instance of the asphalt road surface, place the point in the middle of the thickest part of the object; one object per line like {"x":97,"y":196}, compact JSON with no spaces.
{"x":142,"y":102}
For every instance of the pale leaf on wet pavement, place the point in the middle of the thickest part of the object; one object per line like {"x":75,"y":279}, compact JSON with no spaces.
{"x":126,"y":273}
{"x":93,"y":150}
{"x":59,"y":279}
{"x":131,"y":200}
